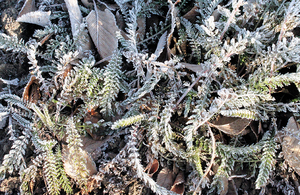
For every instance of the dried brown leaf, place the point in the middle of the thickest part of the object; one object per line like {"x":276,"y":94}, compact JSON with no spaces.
{"x":29,"y":6}
{"x":165,"y":178}
{"x":231,"y":125}
{"x":191,"y":15}
{"x":152,"y":167}
{"x":92,"y":146}
{"x":178,"y":186}
{"x":290,"y":144}
{"x":32,"y":90}
{"x":224,"y":181}
{"x":102,"y":28}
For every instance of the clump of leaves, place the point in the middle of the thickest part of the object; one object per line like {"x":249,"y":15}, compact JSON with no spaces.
{"x":204,"y":89}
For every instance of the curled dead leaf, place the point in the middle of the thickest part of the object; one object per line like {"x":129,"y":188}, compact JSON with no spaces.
{"x":102,"y":28}
{"x":152,"y":167}
{"x":178,"y":186}
{"x":32,"y":90}
{"x":231,"y":125}
{"x":290,"y":144}
{"x":165,"y":178}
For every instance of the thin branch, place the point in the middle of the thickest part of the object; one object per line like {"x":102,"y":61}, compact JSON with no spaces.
{"x":230,"y":18}
{"x":188,"y":90}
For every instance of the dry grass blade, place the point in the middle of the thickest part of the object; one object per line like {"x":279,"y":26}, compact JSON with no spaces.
{"x":165,"y":178}
{"x":231,"y":125}
{"x":102,"y":28}
{"x":290,"y":144}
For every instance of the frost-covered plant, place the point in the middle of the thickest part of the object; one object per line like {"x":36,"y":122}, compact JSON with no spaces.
{"x":230,"y":60}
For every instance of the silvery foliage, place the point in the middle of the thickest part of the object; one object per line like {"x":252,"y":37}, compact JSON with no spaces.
{"x":156,"y":92}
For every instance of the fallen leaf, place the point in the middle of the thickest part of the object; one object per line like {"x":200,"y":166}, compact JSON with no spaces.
{"x":92,"y":146}
{"x":92,"y":116}
{"x":223,"y":182}
{"x":191,"y":15}
{"x":120,"y":21}
{"x":231,"y":125}
{"x":290,"y":144}
{"x":141,"y":30}
{"x":216,"y":15}
{"x":87,"y":4}
{"x":29,"y":6}
{"x":195,"y":67}
{"x":40,"y":18}
{"x":152,"y":167}
{"x":178,"y":186}
{"x":70,"y":164}
{"x":75,"y":15}
{"x":32,"y":90}
{"x":76,"y":21}
{"x":102,"y":28}
{"x":165,"y":178}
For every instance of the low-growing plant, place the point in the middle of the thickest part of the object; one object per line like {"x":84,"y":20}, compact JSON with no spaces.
{"x":161,"y":91}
